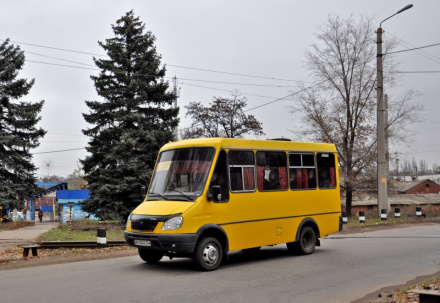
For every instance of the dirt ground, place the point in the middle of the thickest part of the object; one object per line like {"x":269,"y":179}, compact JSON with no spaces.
{"x":13,"y":259}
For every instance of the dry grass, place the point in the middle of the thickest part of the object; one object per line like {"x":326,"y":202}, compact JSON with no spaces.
{"x":15,"y":225}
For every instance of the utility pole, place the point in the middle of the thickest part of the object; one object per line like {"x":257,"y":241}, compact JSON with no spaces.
{"x":387,"y":146}
{"x":382,"y":191}
{"x":176,"y":93}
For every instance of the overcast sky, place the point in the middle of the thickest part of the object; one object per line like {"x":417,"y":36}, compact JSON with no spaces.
{"x":203,"y":43}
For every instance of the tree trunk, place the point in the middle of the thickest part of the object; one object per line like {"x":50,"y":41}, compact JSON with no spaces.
{"x":348,"y":198}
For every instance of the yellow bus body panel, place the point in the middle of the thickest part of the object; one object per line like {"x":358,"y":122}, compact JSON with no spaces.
{"x":253,"y":219}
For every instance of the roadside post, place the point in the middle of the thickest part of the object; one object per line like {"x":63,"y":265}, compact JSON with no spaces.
{"x":70,"y":204}
{"x":383,"y":214}
{"x":344,"y":217}
{"x":101,"y":240}
{"x":361,"y":216}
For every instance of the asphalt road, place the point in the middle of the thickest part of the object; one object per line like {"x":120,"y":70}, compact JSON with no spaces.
{"x":345,"y":268}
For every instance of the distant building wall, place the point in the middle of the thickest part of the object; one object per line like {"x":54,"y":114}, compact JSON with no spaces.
{"x":425,"y":187}
{"x":76,"y":196}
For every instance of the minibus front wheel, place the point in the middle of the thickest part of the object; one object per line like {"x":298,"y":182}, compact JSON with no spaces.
{"x":208,"y":254}
{"x":150,"y":256}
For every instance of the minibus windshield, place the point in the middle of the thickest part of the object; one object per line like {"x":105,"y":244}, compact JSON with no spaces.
{"x":181,"y":174}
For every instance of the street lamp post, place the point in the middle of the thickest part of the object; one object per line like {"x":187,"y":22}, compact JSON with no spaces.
{"x":382,"y":195}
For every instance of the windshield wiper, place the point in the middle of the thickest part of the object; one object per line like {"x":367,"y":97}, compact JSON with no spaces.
{"x":160,"y":195}
{"x":178,"y":191}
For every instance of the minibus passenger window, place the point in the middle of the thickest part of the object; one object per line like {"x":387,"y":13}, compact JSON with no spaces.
{"x":302,"y":171}
{"x":242,"y":170}
{"x":326,"y":170}
{"x":271,"y":171}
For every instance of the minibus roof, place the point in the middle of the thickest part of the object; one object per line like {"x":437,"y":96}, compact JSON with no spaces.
{"x":250,"y":144}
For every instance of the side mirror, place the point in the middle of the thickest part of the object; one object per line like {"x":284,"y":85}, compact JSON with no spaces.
{"x":143,"y":191}
{"x":215,"y":193}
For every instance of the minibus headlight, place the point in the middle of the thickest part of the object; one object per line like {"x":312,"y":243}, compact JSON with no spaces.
{"x":173,"y":223}
{"x":128,"y":220}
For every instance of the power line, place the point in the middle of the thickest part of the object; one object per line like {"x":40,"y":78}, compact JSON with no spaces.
{"x":185,"y":79}
{"x":418,"y":152}
{"x":411,"y":49}
{"x":64,"y":65}
{"x":225,"y":90}
{"x":288,"y":96}
{"x":56,"y":48}
{"x":59,"y":151}
{"x":172,"y":65}
{"x":229,"y":73}
{"x":235,"y":83}
{"x":419,"y":72}
{"x":59,"y":59}
{"x":421,"y":52}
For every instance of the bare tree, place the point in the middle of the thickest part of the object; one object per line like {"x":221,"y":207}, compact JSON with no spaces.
{"x":341,"y":107}
{"x":423,"y":167}
{"x":435,"y":168}
{"x":222,"y":118}
{"x":407,"y":168}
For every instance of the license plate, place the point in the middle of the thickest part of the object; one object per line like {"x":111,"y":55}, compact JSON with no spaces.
{"x":142,"y":242}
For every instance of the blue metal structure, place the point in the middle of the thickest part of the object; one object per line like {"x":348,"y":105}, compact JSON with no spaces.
{"x":61,"y":186}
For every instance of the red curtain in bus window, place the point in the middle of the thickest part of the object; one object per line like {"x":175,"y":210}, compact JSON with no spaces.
{"x":333,"y":176}
{"x":260,"y":177}
{"x":299,"y":182}
{"x":305,"y":178}
{"x":249,"y":178}
{"x":283,"y":177}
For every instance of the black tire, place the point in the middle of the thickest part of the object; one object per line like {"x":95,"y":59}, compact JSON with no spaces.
{"x":307,"y":241}
{"x":150,"y":256}
{"x":208,"y":254}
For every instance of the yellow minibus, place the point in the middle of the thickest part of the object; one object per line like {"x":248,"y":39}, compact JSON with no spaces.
{"x":210,"y":196}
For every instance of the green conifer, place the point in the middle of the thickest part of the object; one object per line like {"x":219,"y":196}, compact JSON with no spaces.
{"x":18,"y":131}
{"x":134,"y":118}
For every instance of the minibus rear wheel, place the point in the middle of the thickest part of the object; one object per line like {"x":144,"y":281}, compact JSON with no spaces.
{"x":208,"y":254}
{"x":306,"y":242}
{"x":150,"y":256}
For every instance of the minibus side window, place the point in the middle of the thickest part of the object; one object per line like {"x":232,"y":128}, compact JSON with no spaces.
{"x":220,"y":176}
{"x":241,"y":170}
{"x":302,"y":171}
{"x":326,"y":170}
{"x":271,"y":170}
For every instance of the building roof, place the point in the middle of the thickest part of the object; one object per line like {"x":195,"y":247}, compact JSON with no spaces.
{"x":45,"y":184}
{"x":73,"y":194}
{"x":403,"y":187}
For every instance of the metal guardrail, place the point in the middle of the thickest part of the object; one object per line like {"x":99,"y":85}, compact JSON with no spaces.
{"x":77,"y":244}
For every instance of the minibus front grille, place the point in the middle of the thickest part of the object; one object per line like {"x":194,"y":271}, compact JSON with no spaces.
{"x":146,"y":222}
{"x":143,"y":225}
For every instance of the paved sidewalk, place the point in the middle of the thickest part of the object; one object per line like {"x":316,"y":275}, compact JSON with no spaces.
{"x":25,"y":234}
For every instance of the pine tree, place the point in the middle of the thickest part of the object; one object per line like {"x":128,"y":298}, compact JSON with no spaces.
{"x":131,"y":123}
{"x":18,"y":131}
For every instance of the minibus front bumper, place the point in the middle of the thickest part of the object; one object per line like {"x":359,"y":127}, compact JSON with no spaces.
{"x":179,"y":243}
